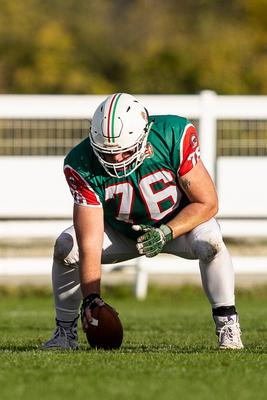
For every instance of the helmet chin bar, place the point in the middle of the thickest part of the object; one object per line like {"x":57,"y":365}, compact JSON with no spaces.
{"x":128,"y":166}
{"x":121,"y":172}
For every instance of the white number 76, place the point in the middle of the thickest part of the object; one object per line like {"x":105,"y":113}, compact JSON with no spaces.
{"x":153,"y":198}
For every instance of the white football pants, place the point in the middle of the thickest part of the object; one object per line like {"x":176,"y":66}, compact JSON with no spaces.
{"x":204,"y":243}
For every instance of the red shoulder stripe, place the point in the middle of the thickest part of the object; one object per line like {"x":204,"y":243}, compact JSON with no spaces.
{"x":81,"y":191}
{"x":189,"y":150}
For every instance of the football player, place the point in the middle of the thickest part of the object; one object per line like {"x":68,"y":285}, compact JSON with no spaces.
{"x":139,"y":188}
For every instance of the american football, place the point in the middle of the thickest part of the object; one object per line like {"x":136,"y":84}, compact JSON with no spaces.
{"x":105,"y":331}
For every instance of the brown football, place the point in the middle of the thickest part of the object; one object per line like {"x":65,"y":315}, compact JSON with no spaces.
{"x":105,"y":331}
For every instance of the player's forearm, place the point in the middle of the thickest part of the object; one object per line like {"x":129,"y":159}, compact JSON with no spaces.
{"x":191,"y":216}
{"x":90,"y":272}
{"x":89,"y":228}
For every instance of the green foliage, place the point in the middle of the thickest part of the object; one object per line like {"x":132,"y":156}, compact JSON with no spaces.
{"x":144,"y":46}
{"x":140,"y":46}
{"x":169,"y":350}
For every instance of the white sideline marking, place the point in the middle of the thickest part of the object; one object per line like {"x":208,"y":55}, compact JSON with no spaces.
{"x":33,"y":229}
{"x":38,"y":266}
{"x":162,"y":264}
{"x":25,"y":266}
{"x":51,"y":229}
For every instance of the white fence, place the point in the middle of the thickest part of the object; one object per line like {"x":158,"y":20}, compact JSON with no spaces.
{"x":34,"y":187}
{"x":238,"y":179}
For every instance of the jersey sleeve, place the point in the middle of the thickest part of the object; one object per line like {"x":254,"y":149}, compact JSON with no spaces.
{"x":189,"y":149}
{"x":83,"y":194}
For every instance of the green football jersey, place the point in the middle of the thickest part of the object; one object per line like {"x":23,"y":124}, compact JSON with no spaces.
{"x":151,"y":194}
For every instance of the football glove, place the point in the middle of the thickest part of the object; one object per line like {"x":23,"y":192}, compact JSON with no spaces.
{"x":153,"y":240}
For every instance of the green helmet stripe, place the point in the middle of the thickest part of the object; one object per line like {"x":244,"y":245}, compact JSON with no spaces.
{"x":113,"y":117}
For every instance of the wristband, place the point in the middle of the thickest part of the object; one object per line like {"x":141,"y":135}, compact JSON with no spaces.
{"x":167,"y":232}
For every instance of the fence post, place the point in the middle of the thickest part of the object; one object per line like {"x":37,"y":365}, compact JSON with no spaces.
{"x":141,"y":278}
{"x":207,"y":130}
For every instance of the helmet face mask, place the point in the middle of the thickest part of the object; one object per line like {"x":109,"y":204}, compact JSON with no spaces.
{"x":120,"y":126}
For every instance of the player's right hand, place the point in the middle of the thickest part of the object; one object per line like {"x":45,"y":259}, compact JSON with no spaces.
{"x":152,"y":240}
{"x":89,"y":303}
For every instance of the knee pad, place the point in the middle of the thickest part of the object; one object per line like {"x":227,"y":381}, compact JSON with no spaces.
{"x":66,"y":250}
{"x":207,"y":245}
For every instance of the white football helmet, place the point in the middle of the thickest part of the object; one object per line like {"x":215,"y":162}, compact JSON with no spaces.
{"x":120,"y":125}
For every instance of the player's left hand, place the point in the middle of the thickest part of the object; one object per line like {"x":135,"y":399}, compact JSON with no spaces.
{"x":153,"y":240}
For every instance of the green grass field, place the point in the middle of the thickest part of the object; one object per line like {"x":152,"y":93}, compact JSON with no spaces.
{"x":169,"y":350}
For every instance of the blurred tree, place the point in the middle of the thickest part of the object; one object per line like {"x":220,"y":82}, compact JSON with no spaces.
{"x":140,"y":46}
